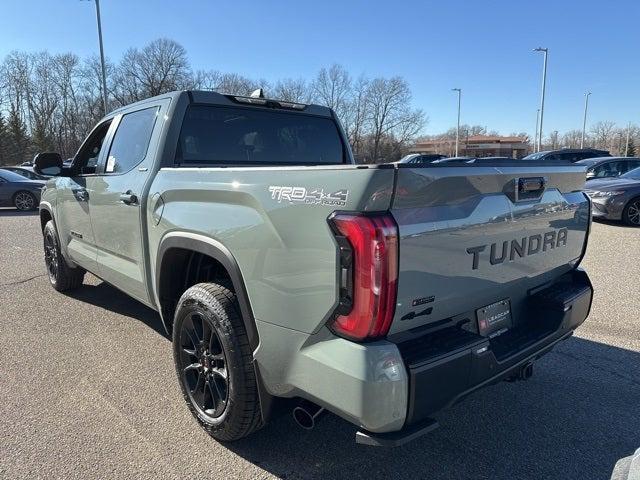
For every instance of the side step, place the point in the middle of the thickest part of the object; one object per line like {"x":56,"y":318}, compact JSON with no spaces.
{"x":395,"y":439}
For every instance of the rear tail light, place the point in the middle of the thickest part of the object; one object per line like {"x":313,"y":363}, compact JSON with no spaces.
{"x":369,"y":274}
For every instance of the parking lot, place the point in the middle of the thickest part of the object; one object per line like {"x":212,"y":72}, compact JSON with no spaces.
{"x":88,"y":390}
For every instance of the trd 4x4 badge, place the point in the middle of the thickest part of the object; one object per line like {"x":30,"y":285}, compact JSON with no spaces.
{"x":317,"y":196}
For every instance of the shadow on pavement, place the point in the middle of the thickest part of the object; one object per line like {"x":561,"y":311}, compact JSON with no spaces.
{"x":613,"y":223}
{"x":575,"y":418}
{"x":110,"y":298}
{"x":13,"y":212}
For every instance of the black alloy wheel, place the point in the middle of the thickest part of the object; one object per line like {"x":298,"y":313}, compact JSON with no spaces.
{"x":203,"y":365}
{"x":51,"y":255}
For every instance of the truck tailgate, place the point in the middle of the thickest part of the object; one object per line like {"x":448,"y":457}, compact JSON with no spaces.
{"x":474,"y":235}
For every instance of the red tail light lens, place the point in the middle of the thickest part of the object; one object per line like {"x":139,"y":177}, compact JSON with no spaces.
{"x":371,"y":271}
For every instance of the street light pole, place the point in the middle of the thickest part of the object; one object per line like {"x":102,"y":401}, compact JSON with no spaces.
{"x":535,"y":138}
{"x":626,"y":147}
{"x":104,"y":71}
{"x":544,"y":85}
{"x":584,"y":120}
{"x":458,"y":127}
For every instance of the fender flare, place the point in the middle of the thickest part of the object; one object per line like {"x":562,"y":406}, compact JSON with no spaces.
{"x":46,"y":206}
{"x":212,"y":248}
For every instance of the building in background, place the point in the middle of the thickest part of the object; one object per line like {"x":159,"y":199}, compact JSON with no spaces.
{"x":475,"y":146}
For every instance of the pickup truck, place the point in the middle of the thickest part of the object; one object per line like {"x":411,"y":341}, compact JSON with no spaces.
{"x":286,"y":274}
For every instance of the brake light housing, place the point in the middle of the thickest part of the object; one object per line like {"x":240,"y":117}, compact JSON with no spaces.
{"x":368,"y":274}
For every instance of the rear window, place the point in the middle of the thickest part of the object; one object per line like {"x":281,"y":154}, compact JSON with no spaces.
{"x":227,"y":135}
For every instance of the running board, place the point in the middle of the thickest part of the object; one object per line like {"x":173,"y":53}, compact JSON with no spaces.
{"x":395,"y":439}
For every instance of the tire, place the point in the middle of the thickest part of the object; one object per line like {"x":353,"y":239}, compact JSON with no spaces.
{"x":61,"y":275}
{"x":213,"y":362}
{"x":631,"y":212}
{"x":25,"y":201}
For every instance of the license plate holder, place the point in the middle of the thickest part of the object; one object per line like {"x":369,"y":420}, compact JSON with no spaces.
{"x":495,"y":318}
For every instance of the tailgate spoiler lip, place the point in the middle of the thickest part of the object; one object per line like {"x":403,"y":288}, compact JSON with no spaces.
{"x":497,"y":165}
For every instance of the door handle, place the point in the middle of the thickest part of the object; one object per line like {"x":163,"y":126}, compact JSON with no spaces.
{"x":81,"y":194}
{"x":129,"y":198}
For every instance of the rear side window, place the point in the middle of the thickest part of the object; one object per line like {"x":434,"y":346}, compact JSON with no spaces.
{"x":227,"y":135}
{"x":131,"y":140}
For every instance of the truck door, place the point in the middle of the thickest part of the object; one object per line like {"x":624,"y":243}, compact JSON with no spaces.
{"x":73,"y":219}
{"x":118,"y":199}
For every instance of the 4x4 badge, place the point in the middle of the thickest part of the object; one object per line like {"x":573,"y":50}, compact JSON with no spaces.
{"x":316,"y":196}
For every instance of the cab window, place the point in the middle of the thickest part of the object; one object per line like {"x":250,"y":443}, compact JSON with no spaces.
{"x":131,"y":140}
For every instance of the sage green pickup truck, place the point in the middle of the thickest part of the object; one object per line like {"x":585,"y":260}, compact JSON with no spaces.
{"x":286,"y":274}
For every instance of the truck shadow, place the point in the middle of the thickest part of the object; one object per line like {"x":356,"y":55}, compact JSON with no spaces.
{"x":574,"y":419}
{"x":110,"y":298}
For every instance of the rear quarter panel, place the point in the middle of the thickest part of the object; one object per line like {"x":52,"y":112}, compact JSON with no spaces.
{"x":283,"y":245}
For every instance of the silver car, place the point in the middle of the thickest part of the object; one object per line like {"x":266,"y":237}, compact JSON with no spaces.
{"x":617,"y":198}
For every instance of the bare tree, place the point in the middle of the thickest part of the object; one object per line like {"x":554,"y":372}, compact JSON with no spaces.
{"x":227,"y":83}
{"x":554,"y":140}
{"x":390,"y":113}
{"x":355,"y":116}
{"x":292,"y":90}
{"x":160,"y":67}
{"x":602,"y":134}
{"x":572,"y":139}
{"x":333,"y":88}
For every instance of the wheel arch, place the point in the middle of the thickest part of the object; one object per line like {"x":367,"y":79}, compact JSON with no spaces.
{"x":45,"y":215}
{"x":176,"y":243}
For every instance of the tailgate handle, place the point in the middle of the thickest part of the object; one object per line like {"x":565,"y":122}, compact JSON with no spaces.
{"x":526,"y":188}
{"x":531,"y":184}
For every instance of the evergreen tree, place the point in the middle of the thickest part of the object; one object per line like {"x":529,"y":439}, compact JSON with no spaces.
{"x":4,"y":142}
{"x":18,"y":139}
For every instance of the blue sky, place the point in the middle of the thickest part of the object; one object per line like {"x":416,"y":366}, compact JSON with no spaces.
{"x":483,"y":47}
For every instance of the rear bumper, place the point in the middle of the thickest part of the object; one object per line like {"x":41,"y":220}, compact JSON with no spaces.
{"x":390,"y":390}
{"x":437,"y":381}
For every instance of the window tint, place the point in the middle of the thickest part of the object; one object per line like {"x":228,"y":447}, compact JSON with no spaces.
{"x":610,"y":169}
{"x":131,"y":140}
{"x":635,"y":174}
{"x":224,"y":135}
{"x":626,"y":165}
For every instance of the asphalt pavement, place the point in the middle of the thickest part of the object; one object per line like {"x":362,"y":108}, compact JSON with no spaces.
{"x":88,"y":390}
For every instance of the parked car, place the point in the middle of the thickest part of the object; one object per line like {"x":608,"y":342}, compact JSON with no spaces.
{"x":608,"y":167}
{"x":567,"y":154}
{"x":26,"y":172}
{"x":617,"y":198}
{"x":417,"y":158}
{"x":19,"y":191}
{"x":282,"y":270}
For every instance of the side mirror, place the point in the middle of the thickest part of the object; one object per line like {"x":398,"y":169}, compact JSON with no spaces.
{"x":48,"y":163}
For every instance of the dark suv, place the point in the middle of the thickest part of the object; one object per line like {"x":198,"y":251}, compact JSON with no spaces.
{"x":568,"y":154}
